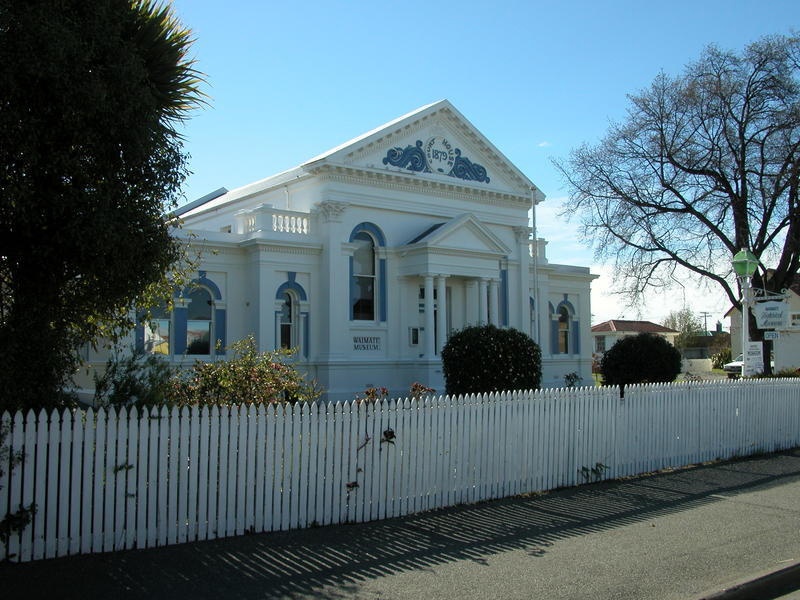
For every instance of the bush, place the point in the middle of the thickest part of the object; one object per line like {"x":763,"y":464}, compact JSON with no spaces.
{"x":248,"y":377}
{"x":485,"y":358}
{"x":721,"y":358}
{"x":790,"y":372}
{"x":643,"y":358}
{"x":133,"y":378}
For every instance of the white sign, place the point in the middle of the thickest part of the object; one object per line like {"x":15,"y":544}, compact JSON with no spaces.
{"x":754,"y":361}
{"x":772,"y":335}
{"x":771,"y":314}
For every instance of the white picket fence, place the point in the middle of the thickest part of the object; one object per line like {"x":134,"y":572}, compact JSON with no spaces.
{"x":108,"y":480}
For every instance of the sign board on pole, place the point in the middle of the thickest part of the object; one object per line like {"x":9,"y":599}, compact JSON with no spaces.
{"x":771,"y":314}
{"x":754,"y":361}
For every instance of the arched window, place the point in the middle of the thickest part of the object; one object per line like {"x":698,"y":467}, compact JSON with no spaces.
{"x":288,"y":322}
{"x":199,"y":323}
{"x":367,"y":274}
{"x":196,"y":324}
{"x":563,"y":330}
{"x":157,"y":331}
{"x":291,"y":316}
{"x":363,"y":295}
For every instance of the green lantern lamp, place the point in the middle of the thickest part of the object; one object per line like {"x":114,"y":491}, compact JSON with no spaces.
{"x":745,"y":263}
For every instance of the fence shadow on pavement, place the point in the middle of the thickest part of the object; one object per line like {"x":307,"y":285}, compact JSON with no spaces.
{"x":332,"y":562}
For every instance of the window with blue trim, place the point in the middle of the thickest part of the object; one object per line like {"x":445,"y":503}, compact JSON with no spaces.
{"x":291,"y":316}
{"x":157,"y":331}
{"x":564,"y":321}
{"x":565,"y":329}
{"x":367,"y":274}
{"x":288,"y":322}
{"x":195,"y":325}
{"x":199,"y":322}
{"x":363,"y":295}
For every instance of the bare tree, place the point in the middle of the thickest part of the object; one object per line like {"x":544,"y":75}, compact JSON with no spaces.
{"x":706,"y":163}
{"x":687,"y":324}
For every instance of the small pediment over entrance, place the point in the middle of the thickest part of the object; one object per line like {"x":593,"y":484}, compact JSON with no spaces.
{"x":461,"y":246}
{"x":462,"y":233}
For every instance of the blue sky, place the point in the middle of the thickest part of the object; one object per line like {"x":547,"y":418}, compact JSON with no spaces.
{"x":289,"y":80}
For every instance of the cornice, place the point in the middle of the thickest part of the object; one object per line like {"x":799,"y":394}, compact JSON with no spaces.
{"x":445,"y":251}
{"x":401,"y":181}
{"x":215,"y":250}
{"x":384,"y":140}
{"x":288,"y":247}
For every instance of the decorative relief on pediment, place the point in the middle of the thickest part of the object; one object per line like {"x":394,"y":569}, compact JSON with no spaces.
{"x":436,"y":155}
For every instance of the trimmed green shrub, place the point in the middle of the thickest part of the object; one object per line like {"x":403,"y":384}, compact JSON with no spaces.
{"x":643,"y":358}
{"x":485,"y":358}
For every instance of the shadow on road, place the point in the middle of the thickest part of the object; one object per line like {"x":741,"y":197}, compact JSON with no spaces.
{"x":331,"y":562}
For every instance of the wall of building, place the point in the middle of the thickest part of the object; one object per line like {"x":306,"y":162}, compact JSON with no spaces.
{"x":450,"y":250}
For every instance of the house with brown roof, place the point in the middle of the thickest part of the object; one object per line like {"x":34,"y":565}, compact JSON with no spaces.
{"x":608,"y":333}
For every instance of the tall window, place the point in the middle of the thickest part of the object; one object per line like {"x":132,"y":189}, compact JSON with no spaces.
{"x":563,"y":330}
{"x":287,"y":324}
{"x":198,"y":325}
{"x":157,"y":332}
{"x":363,"y":303}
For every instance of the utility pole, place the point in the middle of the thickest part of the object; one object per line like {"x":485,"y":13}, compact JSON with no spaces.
{"x":705,"y":316}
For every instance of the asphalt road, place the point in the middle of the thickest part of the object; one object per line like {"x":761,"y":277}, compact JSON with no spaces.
{"x":705,"y":532}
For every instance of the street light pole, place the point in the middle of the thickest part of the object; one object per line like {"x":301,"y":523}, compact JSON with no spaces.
{"x":745,"y":264}
{"x":745,"y":322}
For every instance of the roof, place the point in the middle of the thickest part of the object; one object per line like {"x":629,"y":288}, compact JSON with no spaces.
{"x":341,"y":155}
{"x":182,"y":210}
{"x":425,"y":233}
{"x":618,"y":325}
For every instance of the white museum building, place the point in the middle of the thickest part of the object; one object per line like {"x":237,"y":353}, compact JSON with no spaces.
{"x":367,"y":256}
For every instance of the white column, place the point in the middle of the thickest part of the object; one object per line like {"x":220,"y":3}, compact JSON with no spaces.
{"x":523,"y":311}
{"x":430,"y":341}
{"x":494,"y":302}
{"x":441,"y":313}
{"x":482,"y":285}
{"x":471,"y":301}
{"x":334,"y":315}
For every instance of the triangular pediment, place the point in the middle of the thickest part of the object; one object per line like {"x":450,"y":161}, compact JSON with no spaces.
{"x":463,"y":234}
{"x":437,"y":143}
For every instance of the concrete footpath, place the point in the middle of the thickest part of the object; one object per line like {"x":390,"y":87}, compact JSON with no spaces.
{"x":726,"y":531}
